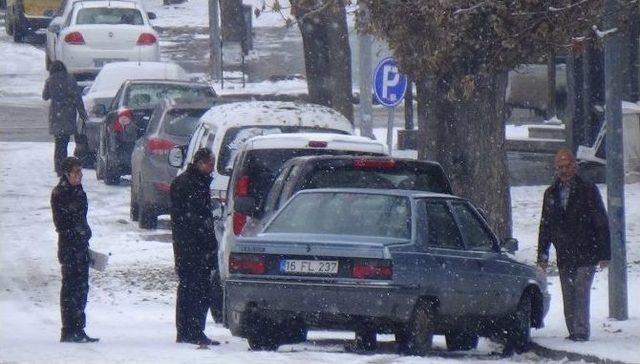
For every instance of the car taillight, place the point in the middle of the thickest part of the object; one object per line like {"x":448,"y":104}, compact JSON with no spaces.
{"x":372,"y":269}
{"x":247,"y":264}
{"x":146,"y":39}
{"x":159,"y":146}
{"x":124,"y":118}
{"x":239,"y":221}
{"x":374,"y":163}
{"x":74,"y":38}
{"x":241,"y":190}
{"x":162,"y":186}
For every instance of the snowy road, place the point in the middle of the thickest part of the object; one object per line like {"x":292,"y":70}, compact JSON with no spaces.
{"x":131,"y":305}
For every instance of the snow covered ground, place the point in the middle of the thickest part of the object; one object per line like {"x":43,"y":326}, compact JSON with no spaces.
{"x":131,"y":304}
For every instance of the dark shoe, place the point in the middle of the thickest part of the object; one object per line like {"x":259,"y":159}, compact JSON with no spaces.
{"x":577,"y":338}
{"x":78,"y":337}
{"x":203,"y":340}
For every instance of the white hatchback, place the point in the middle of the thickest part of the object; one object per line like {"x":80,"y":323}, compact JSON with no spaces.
{"x":95,"y":33}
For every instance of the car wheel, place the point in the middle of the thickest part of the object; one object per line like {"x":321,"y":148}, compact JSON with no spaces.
{"x":518,"y":332}
{"x":416,"y":337}
{"x":17,"y":34}
{"x":262,"y":334}
{"x":147,"y":217}
{"x":99,"y":164}
{"x":366,"y":340}
{"x":133,"y":205}
{"x":109,"y":172}
{"x":461,"y":340}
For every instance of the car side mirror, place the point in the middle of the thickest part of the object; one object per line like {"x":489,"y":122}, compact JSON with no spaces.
{"x":176,"y":156}
{"x":49,"y":13}
{"x":99,"y":110}
{"x":54,"y":28}
{"x":245,"y":205}
{"x":151,"y":15}
{"x":509,"y":245}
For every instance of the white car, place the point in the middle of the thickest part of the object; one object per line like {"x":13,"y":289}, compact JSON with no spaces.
{"x":100,"y":94}
{"x":94,"y":33}
{"x":225,"y":128}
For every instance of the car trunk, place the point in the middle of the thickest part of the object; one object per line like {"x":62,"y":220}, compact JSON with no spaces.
{"x":313,"y":257}
{"x":109,"y":37}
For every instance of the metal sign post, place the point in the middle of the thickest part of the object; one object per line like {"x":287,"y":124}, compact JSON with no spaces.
{"x":389,"y":87}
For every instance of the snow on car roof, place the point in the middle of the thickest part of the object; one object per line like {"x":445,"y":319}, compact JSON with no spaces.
{"x":376,"y":191}
{"x":276,"y":113}
{"x":114,"y":74}
{"x":107,"y":4}
{"x":302,"y":140}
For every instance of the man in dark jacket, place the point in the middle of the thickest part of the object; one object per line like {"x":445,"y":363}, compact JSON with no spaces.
{"x":194,"y":247}
{"x":575,"y":221}
{"x":69,"y":206}
{"x":62,"y":89}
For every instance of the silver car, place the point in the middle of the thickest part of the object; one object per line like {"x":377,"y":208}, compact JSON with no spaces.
{"x":381,"y":261}
{"x":172,"y":123}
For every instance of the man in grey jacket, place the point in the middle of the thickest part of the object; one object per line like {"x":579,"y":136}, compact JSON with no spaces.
{"x":66,"y":103}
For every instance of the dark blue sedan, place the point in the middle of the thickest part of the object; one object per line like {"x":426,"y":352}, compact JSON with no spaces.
{"x":411,"y":263}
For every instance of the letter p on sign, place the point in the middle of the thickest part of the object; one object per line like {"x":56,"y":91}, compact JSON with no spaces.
{"x":389,"y":85}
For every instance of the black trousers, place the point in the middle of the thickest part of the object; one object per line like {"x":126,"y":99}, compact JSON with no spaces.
{"x":193,"y":302}
{"x":73,"y":296}
{"x":60,"y":151}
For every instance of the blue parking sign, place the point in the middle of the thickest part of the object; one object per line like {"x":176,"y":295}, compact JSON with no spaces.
{"x":389,"y":85}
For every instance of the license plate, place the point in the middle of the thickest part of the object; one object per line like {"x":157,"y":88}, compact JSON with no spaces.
{"x":309,"y":266}
{"x":99,"y":62}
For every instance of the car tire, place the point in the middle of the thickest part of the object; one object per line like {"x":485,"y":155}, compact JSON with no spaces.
{"x":133,"y":205}
{"x":366,"y":340}
{"x":147,"y":216}
{"x":461,"y":340}
{"x":416,"y":336}
{"x":518,"y":331}
{"x":17,"y":34}
{"x":109,"y":173}
{"x":262,"y":334}
{"x":99,"y":167}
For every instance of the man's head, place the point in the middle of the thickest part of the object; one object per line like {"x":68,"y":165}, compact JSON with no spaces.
{"x":565,"y":164}
{"x":204,"y":161}
{"x":72,"y":170}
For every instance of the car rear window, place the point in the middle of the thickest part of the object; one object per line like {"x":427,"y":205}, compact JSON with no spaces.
{"x":263,"y":166}
{"x":182,"y":122}
{"x":235,"y":137}
{"x":109,"y":16}
{"x":345,"y":213}
{"x":149,"y":95}
{"x":400,"y":177}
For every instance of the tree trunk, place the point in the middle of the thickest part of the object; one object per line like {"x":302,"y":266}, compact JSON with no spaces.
{"x":464,"y":130}
{"x":327,"y":55}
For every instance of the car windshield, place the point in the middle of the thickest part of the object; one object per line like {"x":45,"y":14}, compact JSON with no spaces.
{"x":149,"y":95}
{"x":182,"y":122}
{"x":344,"y":213}
{"x":404,"y":177}
{"x":109,"y":16}
{"x":235,"y":137}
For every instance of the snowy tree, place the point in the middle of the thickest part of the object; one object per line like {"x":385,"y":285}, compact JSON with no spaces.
{"x":460,"y":51}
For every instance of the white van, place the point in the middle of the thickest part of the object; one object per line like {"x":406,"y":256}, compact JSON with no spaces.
{"x":225,"y":128}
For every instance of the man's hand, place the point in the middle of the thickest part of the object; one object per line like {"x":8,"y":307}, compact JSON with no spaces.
{"x":543,"y":265}
{"x":603,"y":264}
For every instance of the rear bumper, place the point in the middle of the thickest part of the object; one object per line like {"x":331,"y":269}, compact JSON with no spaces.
{"x":317,"y":304}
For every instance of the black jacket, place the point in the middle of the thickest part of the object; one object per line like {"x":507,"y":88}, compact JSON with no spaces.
{"x":62,"y":89}
{"x":69,"y":206}
{"x":194,"y":240}
{"x":580,"y":234}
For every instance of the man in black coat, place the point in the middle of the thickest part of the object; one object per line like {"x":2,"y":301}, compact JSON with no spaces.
{"x":62,"y":89}
{"x":194,"y":247}
{"x":69,"y":206}
{"x":575,"y":221}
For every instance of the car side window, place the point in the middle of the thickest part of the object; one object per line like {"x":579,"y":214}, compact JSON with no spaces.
{"x":476,"y":234}
{"x":436,"y":226}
